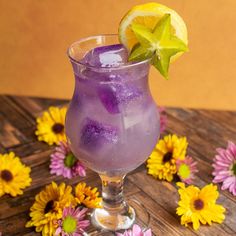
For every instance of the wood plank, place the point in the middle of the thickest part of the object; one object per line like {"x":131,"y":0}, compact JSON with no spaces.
{"x":226,"y":118}
{"x":201,"y":149}
{"x":205,"y":143}
{"x":15,"y":226}
{"x":14,"y":114}
{"x":163,"y":189}
{"x":157,"y":191}
{"x":27,"y":149}
{"x":205,"y":130}
{"x":20,"y":125}
{"x":162,"y":223}
{"x":19,"y":206}
{"x":8,"y":134}
{"x":207,"y":127}
{"x":35,"y":106}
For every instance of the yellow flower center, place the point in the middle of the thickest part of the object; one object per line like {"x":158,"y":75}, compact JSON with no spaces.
{"x":70,"y":160}
{"x":69,"y":224}
{"x":6,"y":175}
{"x":234,"y":169}
{"x":49,"y":206}
{"x":184,"y":171}
{"x":167,"y":157}
{"x":198,"y":204}
{"x":58,"y":128}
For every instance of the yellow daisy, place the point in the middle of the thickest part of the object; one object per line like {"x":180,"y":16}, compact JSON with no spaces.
{"x":162,"y":162}
{"x":199,"y":206}
{"x":87,"y":196}
{"x":14,"y":176}
{"x":48,"y":207}
{"x":51,"y":126}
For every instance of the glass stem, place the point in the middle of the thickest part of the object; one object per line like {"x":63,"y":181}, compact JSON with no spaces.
{"x":115,"y":213}
{"x":112,"y":193}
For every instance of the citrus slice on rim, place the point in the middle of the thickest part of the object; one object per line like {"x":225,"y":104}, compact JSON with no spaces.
{"x":149,"y":15}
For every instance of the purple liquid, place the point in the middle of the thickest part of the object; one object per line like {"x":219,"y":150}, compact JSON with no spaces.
{"x":112,"y":123}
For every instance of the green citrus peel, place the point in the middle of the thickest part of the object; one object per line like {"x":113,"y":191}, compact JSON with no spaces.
{"x":158,"y":44}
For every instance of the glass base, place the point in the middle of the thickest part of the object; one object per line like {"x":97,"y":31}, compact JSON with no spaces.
{"x":113,"y":220}
{"x":108,"y":224}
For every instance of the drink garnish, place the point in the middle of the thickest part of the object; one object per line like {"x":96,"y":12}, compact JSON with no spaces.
{"x":156,"y":32}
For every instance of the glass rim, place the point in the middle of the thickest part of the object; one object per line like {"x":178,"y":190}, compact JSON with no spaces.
{"x":121,"y":66}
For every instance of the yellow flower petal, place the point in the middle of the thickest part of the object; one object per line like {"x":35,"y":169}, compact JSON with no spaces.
{"x":87,"y":196}
{"x":46,"y":123}
{"x":195,"y":221}
{"x":162,"y":162}
{"x":209,"y":192}
{"x":15,"y":176}
{"x":48,"y":207}
{"x":192,"y":212}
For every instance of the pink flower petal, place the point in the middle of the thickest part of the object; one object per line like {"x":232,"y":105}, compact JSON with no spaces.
{"x":57,"y":165}
{"x":58,"y":231}
{"x":148,"y":233}
{"x":218,"y":179}
{"x":232,"y":187}
{"x":223,"y":162}
{"x":77,"y":214}
{"x":228,"y":182}
{"x":137,"y":230}
{"x":163,"y":119}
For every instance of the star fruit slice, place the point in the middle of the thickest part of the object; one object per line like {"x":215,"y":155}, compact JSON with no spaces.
{"x":154,"y":31}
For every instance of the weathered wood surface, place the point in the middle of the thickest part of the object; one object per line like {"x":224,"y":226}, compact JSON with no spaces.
{"x":205,"y":129}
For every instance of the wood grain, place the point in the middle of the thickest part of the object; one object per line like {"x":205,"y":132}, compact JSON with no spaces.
{"x":205,"y":130}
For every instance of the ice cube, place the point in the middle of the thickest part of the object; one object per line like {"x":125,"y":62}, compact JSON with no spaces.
{"x":132,"y":119}
{"x":113,"y":95}
{"x":106,"y":56}
{"x":95,"y":134}
{"x":107,"y":95}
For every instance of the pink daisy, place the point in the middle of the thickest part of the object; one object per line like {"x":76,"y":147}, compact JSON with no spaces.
{"x":72,"y":222}
{"x":163,"y":119}
{"x":225,"y":167}
{"x":136,"y":231}
{"x":186,"y":169}
{"x":63,"y":162}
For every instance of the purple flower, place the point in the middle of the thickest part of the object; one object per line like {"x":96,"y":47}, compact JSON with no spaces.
{"x":163,"y":119}
{"x":136,"y":231}
{"x":225,"y":167}
{"x":72,"y":222}
{"x":63,"y":162}
{"x":186,"y":169}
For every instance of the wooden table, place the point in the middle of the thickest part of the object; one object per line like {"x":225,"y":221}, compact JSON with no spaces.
{"x":205,"y":130}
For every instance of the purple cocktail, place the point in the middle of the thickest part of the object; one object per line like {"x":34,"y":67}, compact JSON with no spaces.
{"x":112,"y":123}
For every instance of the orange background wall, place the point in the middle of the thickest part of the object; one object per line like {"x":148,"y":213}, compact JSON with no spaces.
{"x":35,"y":35}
